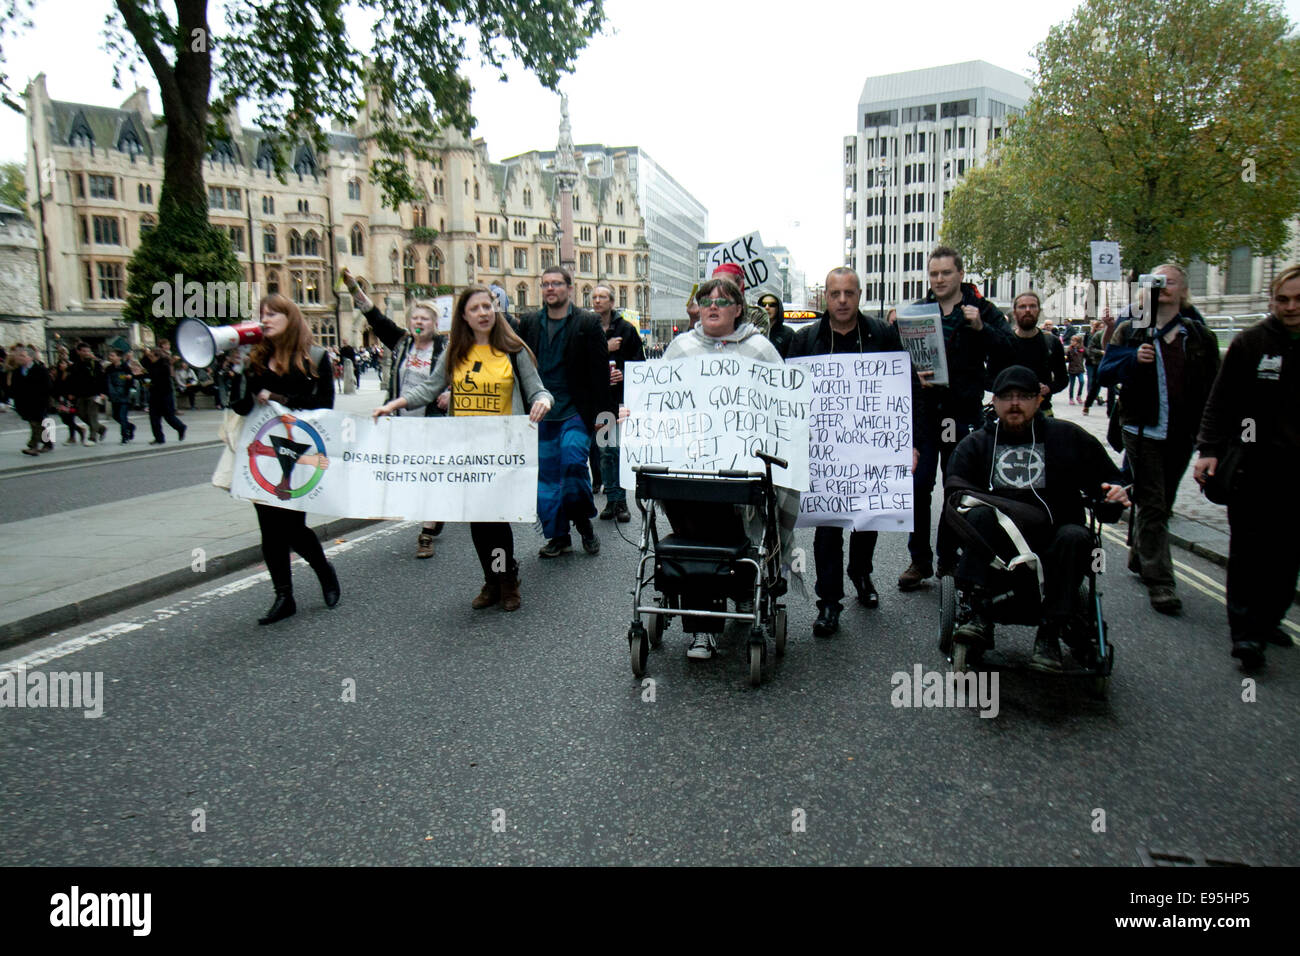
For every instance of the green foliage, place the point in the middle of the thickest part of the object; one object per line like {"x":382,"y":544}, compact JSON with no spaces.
{"x":1170,"y":126}
{"x":13,"y":185}
{"x":423,"y":234}
{"x":183,"y":243}
{"x":418,"y":290}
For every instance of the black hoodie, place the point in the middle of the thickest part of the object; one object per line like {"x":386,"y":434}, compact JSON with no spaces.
{"x":1063,"y":461}
{"x":974,"y":359}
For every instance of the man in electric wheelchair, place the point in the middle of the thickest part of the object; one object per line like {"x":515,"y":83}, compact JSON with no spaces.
{"x":1015,"y":493}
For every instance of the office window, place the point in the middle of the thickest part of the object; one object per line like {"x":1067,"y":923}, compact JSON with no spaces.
{"x":232,"y":199}
{"x":1239,"y":272}
{"x":961,"y":137}
{"x":268,"y":240}
{"x":112,"y":283}
{"x":521,"y":258}
{"x":216,"y":197}
{"x":236,"y":237}
{"x":548,"y":258}
{"x":494,"y":257}
{"x":103,"y":187}
{"x":268,"y":205}
{"x":584,"y":262}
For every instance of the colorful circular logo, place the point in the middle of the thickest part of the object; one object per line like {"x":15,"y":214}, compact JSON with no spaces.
{"x":287,"y":453}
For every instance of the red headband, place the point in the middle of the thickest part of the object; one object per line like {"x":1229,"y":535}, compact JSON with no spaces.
{"x":730,"y":269}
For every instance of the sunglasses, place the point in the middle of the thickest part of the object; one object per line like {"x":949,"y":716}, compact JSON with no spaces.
{"x":720,"y":303}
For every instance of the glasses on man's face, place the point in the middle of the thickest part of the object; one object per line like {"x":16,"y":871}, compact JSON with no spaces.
{"x":1015,"y":395}
{"x":719,"y":303}
{"x":552,"y":285}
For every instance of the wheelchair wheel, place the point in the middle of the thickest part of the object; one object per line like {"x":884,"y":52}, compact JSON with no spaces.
{"x":947,"y":612}
{"x":636,"y":642}
{"x":655,"y":629}
{"x":778,"y":630}
{"x":757,"y":652}
{"x":960,"y":660}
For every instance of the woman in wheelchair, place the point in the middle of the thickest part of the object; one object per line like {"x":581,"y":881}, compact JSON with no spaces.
{"x":1014,"y":493}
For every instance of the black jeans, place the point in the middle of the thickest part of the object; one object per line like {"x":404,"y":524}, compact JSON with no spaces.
{"x":282,"y":530}
{"x":495,"y":543}
{"x":1263,"y":549}
{"x":1065,"y":552}
{"x":162,"y":408}
{"x":121,"y":413}
{"x":828,"y":554}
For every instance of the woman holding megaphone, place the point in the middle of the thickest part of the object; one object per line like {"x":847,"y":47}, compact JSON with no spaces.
{"x":285,"y":367}
{"x":414,"y":355}
{"x":484,"y":350}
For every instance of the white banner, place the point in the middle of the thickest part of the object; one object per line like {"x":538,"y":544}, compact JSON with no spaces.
{"x":748,"y":252}
{"x":474,"y":468}
{"x":860,"y":442}
{"x":707,"y":413}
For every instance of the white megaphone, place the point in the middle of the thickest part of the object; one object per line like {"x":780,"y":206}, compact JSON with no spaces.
{"x":200,"y":343}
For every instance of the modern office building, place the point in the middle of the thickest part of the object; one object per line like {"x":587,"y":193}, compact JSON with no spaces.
{"x":675,"y":224}
{"x":917,"y":134}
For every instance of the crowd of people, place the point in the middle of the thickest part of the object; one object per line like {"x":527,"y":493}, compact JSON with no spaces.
{"x":1168,"y":395}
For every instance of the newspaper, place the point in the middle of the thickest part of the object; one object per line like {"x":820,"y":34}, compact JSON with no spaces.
{"x":920,"y":327}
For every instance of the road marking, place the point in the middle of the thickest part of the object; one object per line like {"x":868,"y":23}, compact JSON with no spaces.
{"x":1218,"y":591}
{"x":75,"y":644}
{"x":108,"y":460}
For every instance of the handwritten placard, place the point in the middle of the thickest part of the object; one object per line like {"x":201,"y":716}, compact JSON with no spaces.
{"x":860,"y":441}
{"x":709,"y":414}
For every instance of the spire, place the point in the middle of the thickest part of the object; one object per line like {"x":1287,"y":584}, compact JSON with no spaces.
{"x":566,"y":164}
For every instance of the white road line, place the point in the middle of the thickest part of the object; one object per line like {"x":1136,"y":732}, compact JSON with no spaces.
{"x":72,"y":645}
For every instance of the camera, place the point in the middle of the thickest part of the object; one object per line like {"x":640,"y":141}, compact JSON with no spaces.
{"x":1152,"y":281}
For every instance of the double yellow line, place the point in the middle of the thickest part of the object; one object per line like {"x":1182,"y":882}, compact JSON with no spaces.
{"x":1199,"y":580}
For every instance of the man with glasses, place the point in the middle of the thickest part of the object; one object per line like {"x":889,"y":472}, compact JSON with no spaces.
{"x":573,"y":359}
{"x":1046,"y":466}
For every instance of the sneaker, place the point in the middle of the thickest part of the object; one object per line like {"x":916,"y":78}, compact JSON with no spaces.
{"x":1165,"y":601}
{"x":556,"y":547}
{"x":703,"y":647}
{"x":1047,"y":650}
{"x":621,"y":513}
{"x":180,"y":435}
{"x":911,"y":579}
{"x":90,"y":441}
{"x":424,"y":545}
{"x":591,"y":544}
{"x":977,"y":632}
{"x":608,"y":512}
{"x":31,"y":451}
{"x":1250,"y":653}
{"x":103,"y":430}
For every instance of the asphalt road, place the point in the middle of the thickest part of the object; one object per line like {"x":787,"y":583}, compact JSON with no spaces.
{"x":533,"y":720}
{"x":96,"y":481}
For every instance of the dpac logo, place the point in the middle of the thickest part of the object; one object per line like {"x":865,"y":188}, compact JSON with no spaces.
{"x":287,"y":457}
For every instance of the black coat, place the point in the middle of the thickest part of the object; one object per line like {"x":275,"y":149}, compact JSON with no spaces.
{"x":974,"y":359}
{"x":31,"y":392}
{"x":586,"y":360}
{"x":1260,"y":381}
{"x":631,"y":350}
{"x":294,"y":389}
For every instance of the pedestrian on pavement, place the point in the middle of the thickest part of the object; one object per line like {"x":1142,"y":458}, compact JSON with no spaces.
{"x":843,"y":328}
{"x":484,"y":359}
{"x":1036,"y":349}
{"x":285,"y":367}
{"x":87,"y":387}
{"x":187,"y":383}
{"x":1095,"y":345}
{"x":29,"y":387}
{"x":118,"y":381}
{"x":157,"y":364}
{"x":417,"y":352}
{"x":977,"y":342}
{"x":778,"y":333}
{"x":573,"y":358}
{"x":65,"y":401}
{"x":1164,"y":370}
{"x":1076,"y":357}
{"x":1251,"y":427}
{"x":624,"y":342}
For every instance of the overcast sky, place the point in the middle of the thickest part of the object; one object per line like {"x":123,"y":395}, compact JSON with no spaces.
{"x":744,"y":102}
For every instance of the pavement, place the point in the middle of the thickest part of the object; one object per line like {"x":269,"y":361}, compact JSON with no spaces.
{"x":63,"y":569}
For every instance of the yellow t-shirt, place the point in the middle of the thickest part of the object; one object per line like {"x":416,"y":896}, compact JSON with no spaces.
{"x":484,"y":383}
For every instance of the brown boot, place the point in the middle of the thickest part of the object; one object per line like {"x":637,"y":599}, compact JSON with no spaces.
{"x":490,"y":594}
{"x":510,"y":590}
{"x":424,"y":545}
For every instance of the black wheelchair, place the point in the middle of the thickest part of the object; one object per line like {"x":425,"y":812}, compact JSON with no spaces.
{"x":1013,"y":592}
{"x":709,"y":558}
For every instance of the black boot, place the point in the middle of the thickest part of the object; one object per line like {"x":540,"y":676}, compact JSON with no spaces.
{"x":282,"y":607}
{"x":329,"y":584}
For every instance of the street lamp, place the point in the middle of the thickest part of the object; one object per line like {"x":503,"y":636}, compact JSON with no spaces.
{"x":883,"y":171}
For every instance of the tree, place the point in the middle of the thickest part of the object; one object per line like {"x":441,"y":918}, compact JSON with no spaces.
{"x":1170,"y":126}
{"x":13,"y":185}
{"x":296,"y":63}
